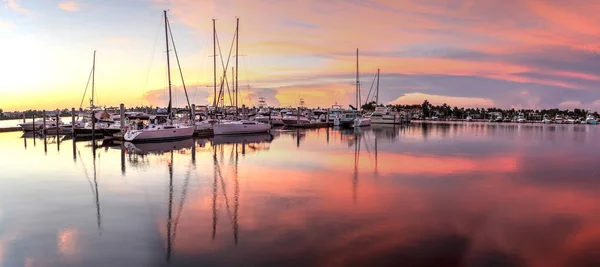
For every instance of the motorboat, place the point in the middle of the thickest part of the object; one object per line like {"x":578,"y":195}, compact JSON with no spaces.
{"x":521,"y":118}
{"x":334,"y":114}
{"x":362,"y":121}
{"x":546,"y":119}
{"x":39,"y":124}
{"x":558,"y":119}
{"x":240,"y":127}
{"x":347,"y":118}
{"x":591,"y":119}
{"x":383,"y":115}
{"x":274,"y":119}
{"x":469,"y":119}
{"x":292,"y":118}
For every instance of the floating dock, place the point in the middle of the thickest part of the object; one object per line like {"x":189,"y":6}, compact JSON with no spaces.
{"x":10,"y":129}
{"x":312,"y":125}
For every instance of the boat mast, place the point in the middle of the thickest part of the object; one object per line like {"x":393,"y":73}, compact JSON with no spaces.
{"x":93,"y":82}
{"x":168,"y":67}
{"x":357,"y":84}
{"x":377,"y":97}
{"x":237,"y":70}
{"x":214,"y":66}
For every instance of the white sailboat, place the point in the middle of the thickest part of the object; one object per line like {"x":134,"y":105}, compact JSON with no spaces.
{"x":242,"y":126}
{"x":163,"y":131}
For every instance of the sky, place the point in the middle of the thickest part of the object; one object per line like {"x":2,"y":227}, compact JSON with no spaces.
{"x":513,"y":53}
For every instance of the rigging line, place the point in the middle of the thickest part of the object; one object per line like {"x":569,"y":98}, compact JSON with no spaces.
{"x":179,"y":65}
{"x":226,"y":66}
{"x":225,"y":194}
{"x":86,"y":88}
{"x":86,"y":175}
{"x":183,"y":197}
{"x":153,"y":52}
{"x":370,"y":89}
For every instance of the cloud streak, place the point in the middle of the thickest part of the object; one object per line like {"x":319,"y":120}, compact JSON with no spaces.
{"x":16,"y":6}
{"x":71,"y":6}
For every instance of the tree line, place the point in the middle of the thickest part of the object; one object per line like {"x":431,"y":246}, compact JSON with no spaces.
{"x":447,"y":111}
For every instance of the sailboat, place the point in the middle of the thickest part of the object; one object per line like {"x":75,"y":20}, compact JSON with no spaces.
{"x":360,"y":120}
{"x":242,"y":126}
{"x":161,"y":132}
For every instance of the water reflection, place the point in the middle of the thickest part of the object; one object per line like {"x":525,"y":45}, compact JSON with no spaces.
{"x":425,"y":195}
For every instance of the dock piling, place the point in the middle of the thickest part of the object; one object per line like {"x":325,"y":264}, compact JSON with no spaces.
{"x":57,"y":126}
{"x":122,"y":118}
{"x":193,"y":114}
{"x":73,"y":122}
{"x":298,"y":117}
{"x":43,"y":122}
{"x":93,"y":127}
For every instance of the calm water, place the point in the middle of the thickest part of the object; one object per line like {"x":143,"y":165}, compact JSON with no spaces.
{"x":425,"y":195}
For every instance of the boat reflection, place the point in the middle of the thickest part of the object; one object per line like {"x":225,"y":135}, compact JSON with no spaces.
{"x":240,"y":139}
{"x":158,"y":148}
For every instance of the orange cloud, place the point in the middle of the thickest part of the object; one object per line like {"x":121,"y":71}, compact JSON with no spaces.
{"x":69,"y":6}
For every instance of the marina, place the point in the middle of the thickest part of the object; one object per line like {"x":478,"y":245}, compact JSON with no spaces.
{"x":208,"y":200}
{"x":295,"y":133}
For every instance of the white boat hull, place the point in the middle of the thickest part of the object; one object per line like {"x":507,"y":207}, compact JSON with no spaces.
{"x":275,"y":120}
{"x":161,"y":134}
{"x":240,"y":128}
{"x":385,"y":120}
{"x":294,"y":120}
{"x":362,"y":122}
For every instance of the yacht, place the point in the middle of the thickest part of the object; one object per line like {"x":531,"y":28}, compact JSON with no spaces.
{"x":468,"y":119}
{"x":383,"y":115}
{"x":521,"y":118}
{"x":241,"y":127}
{"x":159,"y":132}
{"x":292,"y":118}
{"x":335,"y":113}
{"x":274,"y":119}
{"x":546,"y":119}
{"x":570,"y":120}
{"x":39,"y":124}
{"x":362,"y":121}
{"x":591,"y":119}
{"x":558,"y":119}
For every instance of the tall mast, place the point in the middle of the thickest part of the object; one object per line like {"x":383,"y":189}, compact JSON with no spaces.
{"x":237,"y":36}
{"x":214,"y":64}
{"x":93,"y":77}
{"x":168,"y":66}
{"x":357,"y":84}
{"x":377,"y":97}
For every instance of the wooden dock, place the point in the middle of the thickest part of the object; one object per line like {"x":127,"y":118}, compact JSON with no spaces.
{"x":312,"y":125}
{"x":10,"y":129}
